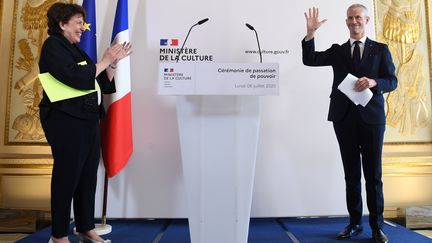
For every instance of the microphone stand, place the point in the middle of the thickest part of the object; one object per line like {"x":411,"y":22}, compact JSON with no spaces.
{"x":184,"y":42}
{"x":256,"y":34}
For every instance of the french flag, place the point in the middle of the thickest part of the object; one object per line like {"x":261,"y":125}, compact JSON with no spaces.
{"x":116,"y":129}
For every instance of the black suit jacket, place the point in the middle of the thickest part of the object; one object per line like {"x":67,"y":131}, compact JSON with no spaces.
{"x":376,"y":63}
{"x":60,"y":59}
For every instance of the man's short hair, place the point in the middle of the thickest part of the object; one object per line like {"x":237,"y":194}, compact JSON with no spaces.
{"x":358,"y":5}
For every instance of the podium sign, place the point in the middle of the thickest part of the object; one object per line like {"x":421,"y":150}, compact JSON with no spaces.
{"x":218,"y":78}
{"x":218,"y":116}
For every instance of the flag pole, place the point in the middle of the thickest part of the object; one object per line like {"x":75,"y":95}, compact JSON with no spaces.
{"x":116,"y":129}
{"x":88,"y":45}
{"x":104,"y":228}
{"x":105,"y":199}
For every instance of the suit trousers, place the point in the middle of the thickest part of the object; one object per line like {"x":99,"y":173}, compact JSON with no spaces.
{"x":75,"y":146}
{"x":360,"y":146}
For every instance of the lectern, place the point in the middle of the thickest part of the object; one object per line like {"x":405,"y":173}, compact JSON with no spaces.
{"x":218,"y":114}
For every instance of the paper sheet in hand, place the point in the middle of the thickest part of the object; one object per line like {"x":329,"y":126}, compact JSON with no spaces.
{"x":57,"y":90}
{"x":347,"y":87}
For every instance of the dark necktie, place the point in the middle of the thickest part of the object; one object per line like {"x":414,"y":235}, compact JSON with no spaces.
{"x":356,"y":55}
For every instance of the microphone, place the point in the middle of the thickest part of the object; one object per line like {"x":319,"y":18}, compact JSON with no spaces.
{"x":184,"y":42}
{"x":202,"y":21}
{"x":259,"y":47}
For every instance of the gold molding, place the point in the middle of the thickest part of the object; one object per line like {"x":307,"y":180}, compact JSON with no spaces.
{"x":407,"y":174}
{"x":391,"y":208}
{"x":28,"y":174}
{"x":407,"y":166}
{"x":407,"y":161}
{"x":26,"y":166}
{"x":428,"y":20}
{"x":9,"y":76}
{"x":25,"y":162}
{"x":428,"y":44}
{"x":408,"y":143}
{"x":1,"y":16}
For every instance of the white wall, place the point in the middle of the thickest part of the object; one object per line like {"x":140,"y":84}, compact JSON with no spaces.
{"x":298,"y":169}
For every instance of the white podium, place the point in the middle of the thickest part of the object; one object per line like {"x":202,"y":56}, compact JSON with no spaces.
{"x":218,"y":115}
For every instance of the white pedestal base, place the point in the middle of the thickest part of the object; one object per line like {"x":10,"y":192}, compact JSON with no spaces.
{"x":218,"y":137}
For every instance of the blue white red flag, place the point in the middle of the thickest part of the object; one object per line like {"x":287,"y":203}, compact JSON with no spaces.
{"x":116,"y":129}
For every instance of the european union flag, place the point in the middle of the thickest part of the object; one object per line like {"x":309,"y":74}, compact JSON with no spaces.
{"x":88,"y":38}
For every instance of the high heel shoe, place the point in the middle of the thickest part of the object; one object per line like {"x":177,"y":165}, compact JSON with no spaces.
{"x":82,"y":238}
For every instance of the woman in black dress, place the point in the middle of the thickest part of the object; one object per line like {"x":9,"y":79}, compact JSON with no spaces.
{"x":71,"y":125}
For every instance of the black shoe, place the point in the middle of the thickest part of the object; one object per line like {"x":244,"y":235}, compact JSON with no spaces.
{"x":350,"y":231}
{"x":379,"y":236}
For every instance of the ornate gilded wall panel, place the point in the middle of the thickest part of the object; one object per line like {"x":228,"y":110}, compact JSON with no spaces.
{"x":407,"y":162}
{"x":25,"y":157}
{"x":403,"y":25}
{"x":29,"y":30}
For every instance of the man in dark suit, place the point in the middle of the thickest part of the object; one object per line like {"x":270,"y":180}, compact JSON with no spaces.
{"x":359,"y":130}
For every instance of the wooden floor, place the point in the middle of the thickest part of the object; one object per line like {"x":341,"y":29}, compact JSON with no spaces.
{"x":427,"y":233}
{"x":10,"y":238}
